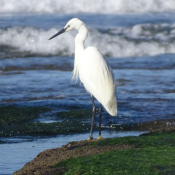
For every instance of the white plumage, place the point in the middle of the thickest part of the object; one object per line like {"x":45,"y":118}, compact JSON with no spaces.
{"x":98,"y":79}
{"x":92,"y":69}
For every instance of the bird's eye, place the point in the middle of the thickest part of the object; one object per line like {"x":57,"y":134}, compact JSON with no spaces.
{"x":68,"y":26}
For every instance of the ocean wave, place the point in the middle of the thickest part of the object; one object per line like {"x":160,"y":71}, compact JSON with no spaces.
{"x":84,"y":6}
{"x":138,"y":40}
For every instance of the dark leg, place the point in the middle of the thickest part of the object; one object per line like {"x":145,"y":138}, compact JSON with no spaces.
{"x":93,"y":116}
{"x":100,"y":114}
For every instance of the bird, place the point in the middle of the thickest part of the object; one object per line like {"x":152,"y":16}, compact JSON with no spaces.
{"x":93,"y":71}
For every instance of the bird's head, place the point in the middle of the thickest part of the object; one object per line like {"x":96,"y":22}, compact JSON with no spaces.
{"x":73,"y":24}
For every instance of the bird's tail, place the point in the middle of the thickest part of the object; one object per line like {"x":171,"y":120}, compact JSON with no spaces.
{"x":111,"y":107}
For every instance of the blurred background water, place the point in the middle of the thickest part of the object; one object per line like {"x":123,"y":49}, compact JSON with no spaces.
{"x":136,"y":37}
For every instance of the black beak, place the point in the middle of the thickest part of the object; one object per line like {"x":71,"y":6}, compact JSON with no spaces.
{"x":60,"y":32}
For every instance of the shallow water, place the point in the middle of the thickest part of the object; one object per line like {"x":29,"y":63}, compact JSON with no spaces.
{"x":140,"y":90}
{"x":137,"y":42}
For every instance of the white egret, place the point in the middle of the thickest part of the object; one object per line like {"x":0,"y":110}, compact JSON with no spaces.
{"x":94,"y":72}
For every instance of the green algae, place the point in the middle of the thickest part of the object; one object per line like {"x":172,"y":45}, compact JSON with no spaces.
{"x":14,"y":114}
{"x":151,"y":154}
{"x":78,"y":115}
{"x":46,"y":129}
{"x":144,"y":140}
{"x":145,"y":161}
{"x":19,"y":121}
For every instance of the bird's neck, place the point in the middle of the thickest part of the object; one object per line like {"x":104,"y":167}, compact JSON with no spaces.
{"x":79,"y":48}
{"x":80,"y":39}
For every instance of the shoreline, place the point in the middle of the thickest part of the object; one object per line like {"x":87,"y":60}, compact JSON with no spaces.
{"x":61,"y":160}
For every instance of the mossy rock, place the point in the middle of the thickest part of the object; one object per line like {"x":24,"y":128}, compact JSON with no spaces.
{"x":46,"y":129}
{"x":14,"y":114}
{"x":80,"y":115}
{"x":150,"y":154}
{"x":18,"y":121}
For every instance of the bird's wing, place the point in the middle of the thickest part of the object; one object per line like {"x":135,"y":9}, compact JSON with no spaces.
{"x":98,"y":78}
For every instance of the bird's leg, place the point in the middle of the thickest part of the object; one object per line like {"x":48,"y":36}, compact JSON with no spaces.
{"x":93,"y":116}
{"x":100,"y":114}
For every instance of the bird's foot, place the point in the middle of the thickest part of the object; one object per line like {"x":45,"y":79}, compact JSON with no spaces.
{"x":99,"y":137}
{"x":90,"y":138}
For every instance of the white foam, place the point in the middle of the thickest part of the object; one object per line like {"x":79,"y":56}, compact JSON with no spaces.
{"x":138,"y":40}
{"x":84,"y":6}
